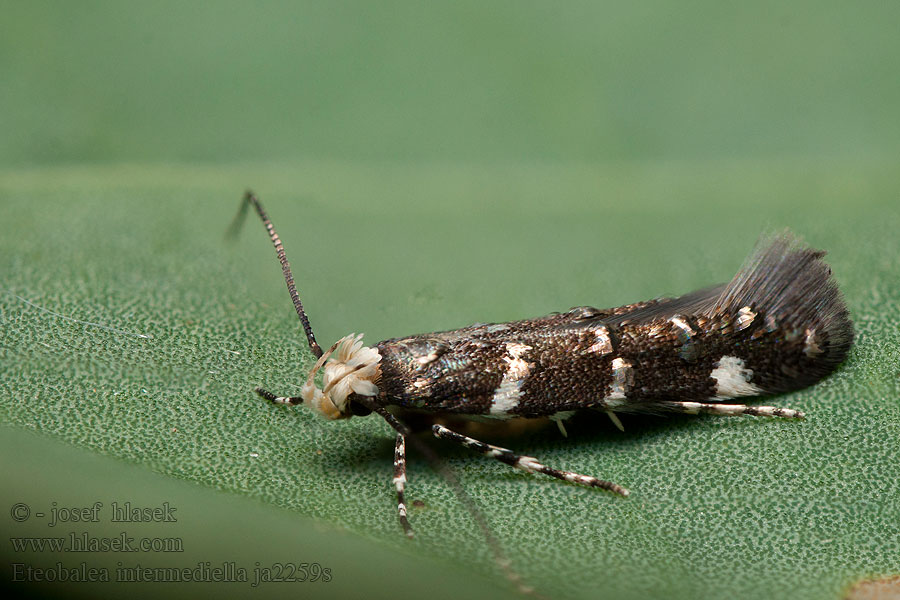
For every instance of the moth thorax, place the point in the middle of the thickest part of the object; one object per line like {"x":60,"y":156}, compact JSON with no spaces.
{"x":349,"y":367}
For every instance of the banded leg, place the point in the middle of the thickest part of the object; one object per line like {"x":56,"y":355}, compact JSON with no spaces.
{"x":714,"y":408}
{"x":526,"y":463}
{"x":292,"y":400}
{"x":400,"y":482}
{"x":404,"y":431}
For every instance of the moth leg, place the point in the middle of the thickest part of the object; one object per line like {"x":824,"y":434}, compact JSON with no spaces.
{"x":526,"y":463}
{"x":292,"y":400}
{"x":714,"y":408}
{"x":400,"y":482}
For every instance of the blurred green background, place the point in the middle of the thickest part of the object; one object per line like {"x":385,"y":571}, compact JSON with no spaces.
{"x":428,"y":166}
{"x":470,"y":81}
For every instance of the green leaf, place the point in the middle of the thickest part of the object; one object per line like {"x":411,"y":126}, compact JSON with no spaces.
{"x":94,"y":258}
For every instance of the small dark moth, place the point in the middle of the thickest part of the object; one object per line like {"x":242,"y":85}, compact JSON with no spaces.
{"x":779,"y":325}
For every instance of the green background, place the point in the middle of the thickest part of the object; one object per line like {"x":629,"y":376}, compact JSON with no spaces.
{"x":429,"y":166}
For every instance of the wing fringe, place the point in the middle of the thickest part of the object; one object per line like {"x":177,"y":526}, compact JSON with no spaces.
{"x":787,"y":281}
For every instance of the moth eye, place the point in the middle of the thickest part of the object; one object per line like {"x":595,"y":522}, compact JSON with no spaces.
{"x":359,"y":410}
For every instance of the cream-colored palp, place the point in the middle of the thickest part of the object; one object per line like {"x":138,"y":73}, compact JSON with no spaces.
{"x":350,"y":367}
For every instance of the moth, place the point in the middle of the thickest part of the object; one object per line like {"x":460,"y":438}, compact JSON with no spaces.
{"x":779,"y":325}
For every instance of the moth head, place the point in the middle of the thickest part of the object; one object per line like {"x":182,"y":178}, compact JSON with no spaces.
{"x":349,"y":368}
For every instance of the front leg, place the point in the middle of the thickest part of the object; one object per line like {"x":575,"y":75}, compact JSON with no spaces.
{"x":526,"y":463}
{"x":290,"y":400}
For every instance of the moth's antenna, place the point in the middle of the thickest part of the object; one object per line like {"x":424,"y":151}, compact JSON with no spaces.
{"x":250,"y":198}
